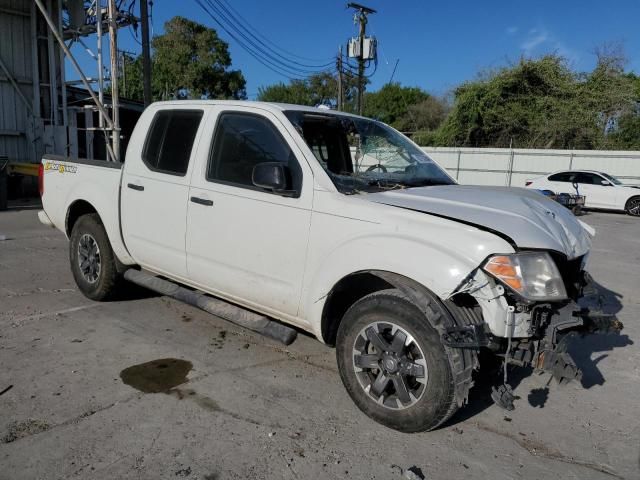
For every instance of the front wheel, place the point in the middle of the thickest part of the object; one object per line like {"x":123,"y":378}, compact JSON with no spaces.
{"x":92,"y":260}
{"x":393,"y":364}
{"x":633,"y":206}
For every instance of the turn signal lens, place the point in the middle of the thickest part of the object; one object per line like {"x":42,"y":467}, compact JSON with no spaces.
{"x":503,"y":269}
{"x":533,"y":275}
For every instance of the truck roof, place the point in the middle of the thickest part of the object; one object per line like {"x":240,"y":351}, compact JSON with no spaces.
{"x":271,"y":106}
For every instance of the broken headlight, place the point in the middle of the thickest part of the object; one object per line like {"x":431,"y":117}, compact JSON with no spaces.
{"x":533,"y":275}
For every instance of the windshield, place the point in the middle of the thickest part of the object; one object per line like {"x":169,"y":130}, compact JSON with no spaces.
{"x":611,"y":178}
{"x":362,"y":155}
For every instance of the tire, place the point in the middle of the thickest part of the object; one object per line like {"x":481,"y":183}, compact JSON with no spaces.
{"x":432,"y":397}
{"x":632,"y":206}
{"x":97,"y":279}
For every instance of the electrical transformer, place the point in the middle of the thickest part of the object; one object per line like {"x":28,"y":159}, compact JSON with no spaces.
{"x":369,"y":48}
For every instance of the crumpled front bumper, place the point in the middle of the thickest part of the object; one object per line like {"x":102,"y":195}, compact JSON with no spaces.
{"x":567,"y":322}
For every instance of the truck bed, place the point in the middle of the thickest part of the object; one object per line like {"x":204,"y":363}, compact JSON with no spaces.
{"x":96,"y":183}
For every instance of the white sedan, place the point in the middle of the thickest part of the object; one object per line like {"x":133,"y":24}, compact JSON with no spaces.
{"x":600,"y":189}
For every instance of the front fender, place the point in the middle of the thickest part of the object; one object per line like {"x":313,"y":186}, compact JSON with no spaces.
{"x":432,"y":264}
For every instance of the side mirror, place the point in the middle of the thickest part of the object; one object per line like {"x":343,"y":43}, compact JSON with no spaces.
{"x":272,"y":176}
{"x":605,"y":183}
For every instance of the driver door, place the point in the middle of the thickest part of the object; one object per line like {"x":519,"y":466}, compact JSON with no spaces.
{"x":244,"y":242}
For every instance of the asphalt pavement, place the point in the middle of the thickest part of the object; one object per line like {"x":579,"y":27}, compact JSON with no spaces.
{"x":74,"y":401}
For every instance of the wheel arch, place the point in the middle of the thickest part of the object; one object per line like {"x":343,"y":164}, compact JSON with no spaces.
{"x":632,"y":197}
{"x":81,"y":207}
{"x":348,"y":290}
{"x":462,"y":361}
{"x":77,"y":209}
{"x":351,"y":288}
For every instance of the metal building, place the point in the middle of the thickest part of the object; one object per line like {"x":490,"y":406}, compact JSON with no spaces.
{"x":40,"y":112}
{"x":33,"y":110}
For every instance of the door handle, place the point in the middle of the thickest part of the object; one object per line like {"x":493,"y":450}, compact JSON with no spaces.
{"x":202,"y":201}
{"x":133,"y":186}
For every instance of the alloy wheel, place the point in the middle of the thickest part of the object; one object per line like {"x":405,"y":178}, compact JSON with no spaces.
{"x":89,"y":258}
{"x":633,"y":207}
{"x":390,"y":365}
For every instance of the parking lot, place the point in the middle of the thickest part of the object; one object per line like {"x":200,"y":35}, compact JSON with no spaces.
{"x":253,"y":409}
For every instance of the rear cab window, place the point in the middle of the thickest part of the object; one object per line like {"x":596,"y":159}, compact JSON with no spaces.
{"x":169,"y":142}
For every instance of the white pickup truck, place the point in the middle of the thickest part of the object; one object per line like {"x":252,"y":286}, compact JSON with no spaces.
{"x":337,"y":225}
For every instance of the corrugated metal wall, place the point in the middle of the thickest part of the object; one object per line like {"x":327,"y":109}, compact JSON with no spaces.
{"x":16,"y":131}
{"x":33,"y":118}
{"x":504,"y":166}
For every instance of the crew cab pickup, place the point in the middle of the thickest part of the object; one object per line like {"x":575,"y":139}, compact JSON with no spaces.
{"x":341,"y":226}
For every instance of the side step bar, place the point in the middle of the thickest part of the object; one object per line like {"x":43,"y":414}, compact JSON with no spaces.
{"x":238,"y":315}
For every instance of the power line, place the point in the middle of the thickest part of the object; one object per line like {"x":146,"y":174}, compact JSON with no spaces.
{"x":254,"y":54}
{"x":348,"y":68}
{"x":241,"y":25}
{"x":267,"y":40}
{"x":256,"y":44}
{"x":268,"y":58}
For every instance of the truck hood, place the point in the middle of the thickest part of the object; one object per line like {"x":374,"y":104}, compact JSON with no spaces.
{"x":527,"y":218}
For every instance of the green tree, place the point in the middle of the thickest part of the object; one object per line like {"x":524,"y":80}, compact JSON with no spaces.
{"x":429,"y":114}
{"x":392,"y":103}
{"x":296,"y":92}
{"x":189,"y":60}
{"x":130,"y":81}
{"x":318,"y":89}
{"x":534,"y":103}
{"x":542,"y":103}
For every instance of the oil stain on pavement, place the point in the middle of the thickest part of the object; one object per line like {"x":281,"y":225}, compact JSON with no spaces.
{"x":165,"y":375}
{"x":157,"y":376}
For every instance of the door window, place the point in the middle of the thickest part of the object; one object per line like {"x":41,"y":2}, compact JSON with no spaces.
{"x":241,"y":142}
{"x":562,"y":177}
{"x":588,"y":178}
{"x":170,"y":141}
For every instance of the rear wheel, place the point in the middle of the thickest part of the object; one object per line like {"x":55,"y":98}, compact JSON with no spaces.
{"x":92,"y":260}
{"x":393,"y":363}
{"x":633,"y":206}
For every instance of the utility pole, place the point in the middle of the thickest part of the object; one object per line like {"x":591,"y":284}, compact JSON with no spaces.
{"x":146,"y":54}
{"x":340,"y":87}
{"x":100,"y":61}
{"x":115,"y":107}
{"x":362,"y":20}
{"x":124,"y":74}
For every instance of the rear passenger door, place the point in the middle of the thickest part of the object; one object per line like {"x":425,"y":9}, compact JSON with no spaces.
{"x":155,"y":191}
{"x":244,"y":242}
{"x":561,"y":182}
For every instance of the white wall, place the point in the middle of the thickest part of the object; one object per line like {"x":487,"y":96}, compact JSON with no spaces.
{"x":503,"y":166}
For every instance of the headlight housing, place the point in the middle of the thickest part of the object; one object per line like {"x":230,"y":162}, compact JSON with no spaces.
{"x":533,"y":275}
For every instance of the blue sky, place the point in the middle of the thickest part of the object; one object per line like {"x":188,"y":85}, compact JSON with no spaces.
{"x":438,"y":44}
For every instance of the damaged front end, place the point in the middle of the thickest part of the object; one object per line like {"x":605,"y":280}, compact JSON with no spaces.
{"x":524,"y":308}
